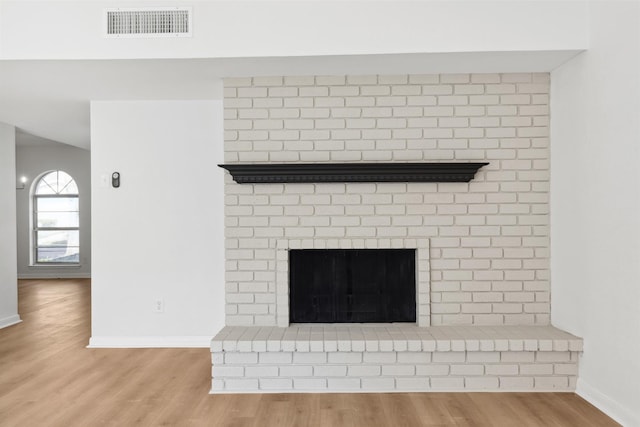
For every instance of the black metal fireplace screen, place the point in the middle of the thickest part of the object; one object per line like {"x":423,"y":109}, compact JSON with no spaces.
{"x":352,"y":285}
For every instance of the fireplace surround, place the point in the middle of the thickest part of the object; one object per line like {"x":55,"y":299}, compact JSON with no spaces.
{"x":489,"y":238}
{"x":482,"y":246}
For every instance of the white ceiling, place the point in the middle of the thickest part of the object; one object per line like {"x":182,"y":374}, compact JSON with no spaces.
{"x":50,"y":99}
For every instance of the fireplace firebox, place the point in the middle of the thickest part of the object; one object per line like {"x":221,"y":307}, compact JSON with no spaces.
{"x":352,"y":285}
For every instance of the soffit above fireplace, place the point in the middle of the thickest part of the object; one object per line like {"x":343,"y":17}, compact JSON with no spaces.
{"x":352,"y":172}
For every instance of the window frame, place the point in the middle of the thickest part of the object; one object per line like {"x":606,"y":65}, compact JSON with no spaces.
{"x":34,"y":221}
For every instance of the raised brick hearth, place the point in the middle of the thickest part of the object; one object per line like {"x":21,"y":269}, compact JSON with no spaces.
{"x":393,"y":358}
{"x":482,"y":247}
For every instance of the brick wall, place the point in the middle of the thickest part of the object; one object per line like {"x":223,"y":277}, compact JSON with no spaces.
{"x":395,"y":371}
{"x":489,"y":239}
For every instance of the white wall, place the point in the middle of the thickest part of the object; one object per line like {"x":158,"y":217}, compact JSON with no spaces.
{"x":595,"y":220}
{"x":160,"y":235}
{"x":8,"y":276}
{"x":74,"y":29}
{"x":32,"y":161}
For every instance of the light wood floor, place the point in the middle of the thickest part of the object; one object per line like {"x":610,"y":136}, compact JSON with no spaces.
{"x":49,"y":378}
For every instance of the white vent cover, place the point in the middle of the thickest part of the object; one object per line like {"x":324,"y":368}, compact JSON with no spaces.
{"x":149,"y":22}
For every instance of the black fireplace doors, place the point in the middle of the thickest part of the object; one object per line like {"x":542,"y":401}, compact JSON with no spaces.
{"x":352,"y":285}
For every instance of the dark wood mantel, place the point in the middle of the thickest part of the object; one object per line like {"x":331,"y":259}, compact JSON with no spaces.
{"x":352,"y":172}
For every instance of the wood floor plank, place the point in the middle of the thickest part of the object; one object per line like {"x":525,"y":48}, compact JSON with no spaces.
{"x":49,"y":378}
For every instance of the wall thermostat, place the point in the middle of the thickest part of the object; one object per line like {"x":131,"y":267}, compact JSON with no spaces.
{"x":115,"y":179}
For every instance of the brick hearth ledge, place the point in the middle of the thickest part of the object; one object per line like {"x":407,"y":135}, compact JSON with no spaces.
{"x":393,"y":357}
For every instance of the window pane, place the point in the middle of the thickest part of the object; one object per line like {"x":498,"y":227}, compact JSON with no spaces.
{"x":69,"y":254}
{"x":57,"y":204}
{"x":51,"y":180}
{"x":57,"y":182}
{"x":63,"y":180}
{"x":70,"y":188}
{"x":44,"y":188}
{"x":61,"y":238}
{"x":58,"y":219}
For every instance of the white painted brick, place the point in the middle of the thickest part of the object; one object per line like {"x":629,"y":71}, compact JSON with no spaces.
{"x":516,"y":158}
{"x":358,"y":101}
{"x":449,"y":357}
{"x":412,"y":384}
{"x":329,"y":371}
{"x":276,"y":358}
{"x":437,"y":89}
{"x":483,"y":357}
{"x":241,"y":358}
{"x":217,"y":385}
{"x":299,"y":80}
{"x":344,"y":91}
{"x":310,"y":358}
{"x":517,"y":357}
{"x":552,"y":356}
{"x":424,"y":79}
{"x":516,"y":77}
{"x":237,"y":82}
{"x":406,"y":90}
{"x":276,"y":384}
{"x":380,"y":357}
{"x":481,"y":383}
{"x":541,"y":77}
{"x":309,"y":383}
{"x":363,"y":371}
{"x":241,"y":384}
{"x":336,"y":357}
{"x":398,"y":370}
{"x":228,"y":371}
{"x":551,"y":383}
{"x":537,"y":369}
{"x":502,"y":369}
{"x":393,"y":79}
{"x":533,"y":88}
{"x":418,"y":357}
{"x":484,"y":100}
{"x":516,"y":383}
{"x":466,"y":369}
{"x":378,"y":384}
{"x":261,"y":371}
{"x":447,"y":383}
{"x":453,"y":100}
{"x":344,"y":383}
{"x":455,"y":78}
{"x":296,"y":371}
{"x":564,"y":369}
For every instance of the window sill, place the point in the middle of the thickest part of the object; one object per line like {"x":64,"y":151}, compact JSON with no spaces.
{"x":56,"y":265}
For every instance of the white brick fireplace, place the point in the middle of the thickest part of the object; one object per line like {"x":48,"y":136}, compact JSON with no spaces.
{"x":482,"y":247}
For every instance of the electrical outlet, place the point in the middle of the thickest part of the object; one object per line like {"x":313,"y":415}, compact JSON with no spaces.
{"x":158,"y":306}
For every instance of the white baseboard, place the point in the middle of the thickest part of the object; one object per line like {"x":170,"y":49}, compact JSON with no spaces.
{"x":613,"y":409}
{"x":151,"y":342}
{"x":54,"y":275}
{"x":409,"y":390}
{"x":11,"y":320}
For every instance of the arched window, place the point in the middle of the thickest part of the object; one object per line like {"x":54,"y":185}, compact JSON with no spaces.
{"x":56,"y":220}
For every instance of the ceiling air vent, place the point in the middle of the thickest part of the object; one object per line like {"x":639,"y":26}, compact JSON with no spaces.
{"x":149,"y":22}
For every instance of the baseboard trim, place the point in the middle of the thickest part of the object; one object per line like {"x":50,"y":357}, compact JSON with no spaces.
{"x":607,"y":405}
{"x":54,"y":275}
{"x":151,"y":342}
{"x":9,"y":321}
{"x":374,"y":391}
